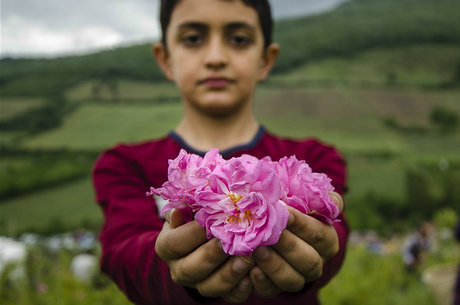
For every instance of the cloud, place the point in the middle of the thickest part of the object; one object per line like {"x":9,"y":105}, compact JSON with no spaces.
{"x":51,"y":27}
{"x":23,"y":36}
{"x":295,"y":8}
{"x":56,"y":27}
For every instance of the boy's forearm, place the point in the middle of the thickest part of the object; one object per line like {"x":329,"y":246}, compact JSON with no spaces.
{"x":129,"y":257}
{"x":125,"y":263}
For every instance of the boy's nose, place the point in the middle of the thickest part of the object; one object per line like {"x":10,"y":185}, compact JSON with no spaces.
{"x":216,"y":56}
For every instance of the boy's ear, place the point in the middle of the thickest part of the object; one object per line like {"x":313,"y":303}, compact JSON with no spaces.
{"x":162,"y":57}
{"x":268,"y":61}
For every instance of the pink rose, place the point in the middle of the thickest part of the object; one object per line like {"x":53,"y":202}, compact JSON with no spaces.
{"x":306,"y":191}
{"x":243,"y":201}
{"x":242,"y":206}
{"x":187,"y":174}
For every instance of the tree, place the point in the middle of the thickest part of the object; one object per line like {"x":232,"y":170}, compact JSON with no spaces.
{"x":444,"y":118}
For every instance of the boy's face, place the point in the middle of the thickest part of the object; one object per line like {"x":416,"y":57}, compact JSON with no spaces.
{"x":215,"y":54}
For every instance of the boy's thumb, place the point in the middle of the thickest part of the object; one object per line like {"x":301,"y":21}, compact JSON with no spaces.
{"x":174,"y":217}
{"x":337,"y":199}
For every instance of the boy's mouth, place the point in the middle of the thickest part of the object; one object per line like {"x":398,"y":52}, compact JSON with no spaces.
{"x":216,"y":82}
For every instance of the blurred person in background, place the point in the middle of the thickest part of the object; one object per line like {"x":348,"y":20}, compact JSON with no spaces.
{"x":415,"y":247}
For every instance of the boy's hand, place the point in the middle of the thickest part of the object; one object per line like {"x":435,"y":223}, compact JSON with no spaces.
{"x":197,"y":262}
{"x":298,"y":257}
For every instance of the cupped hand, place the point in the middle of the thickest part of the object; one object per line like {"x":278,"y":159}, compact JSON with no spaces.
{"x":197,"y":262}
{"x":298,"y":257}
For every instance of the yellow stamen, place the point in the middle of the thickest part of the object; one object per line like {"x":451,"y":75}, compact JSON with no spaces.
{"x":234,"y":197}
{"x":247,"y":215}
{"x":233,"y":218}
{"x":237,"y":218}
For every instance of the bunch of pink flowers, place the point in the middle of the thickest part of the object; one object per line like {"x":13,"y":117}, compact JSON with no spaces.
{"x":242,"y":201}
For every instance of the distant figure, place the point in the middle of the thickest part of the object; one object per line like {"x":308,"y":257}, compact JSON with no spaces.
{"x":415,"y":247}
{"x":457,"y":284}
{"x":84,"y":266}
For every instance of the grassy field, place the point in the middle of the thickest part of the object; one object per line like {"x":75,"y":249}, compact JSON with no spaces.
{"x":10,"y":107}
{"x":127,"y":91}
{"x":97,"y":127}
{"x":68,"y":206}
{"x":351,"y":119}
{"x":53,"y":283}
{"x":397,"y":66}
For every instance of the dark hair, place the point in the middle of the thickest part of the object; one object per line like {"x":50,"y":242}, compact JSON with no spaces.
{"x":262,"y":8}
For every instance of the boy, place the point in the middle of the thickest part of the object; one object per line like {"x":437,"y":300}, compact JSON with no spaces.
{"x":216,"y":51}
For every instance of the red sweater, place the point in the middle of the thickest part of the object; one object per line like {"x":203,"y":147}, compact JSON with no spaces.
{"x":123,"y":174}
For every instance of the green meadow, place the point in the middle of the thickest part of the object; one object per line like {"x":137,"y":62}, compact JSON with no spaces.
{"x":351,"y":119}
{"x":65,"y":207}
{"x":369,"y":78}
{"x":95,"y":127}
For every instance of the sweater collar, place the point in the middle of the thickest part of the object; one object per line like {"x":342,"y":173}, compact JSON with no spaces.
{"x":226,"y":152}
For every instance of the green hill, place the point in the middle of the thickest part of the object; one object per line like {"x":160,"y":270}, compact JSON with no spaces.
{"x":351,"y":29}
{"x":366,"y":24}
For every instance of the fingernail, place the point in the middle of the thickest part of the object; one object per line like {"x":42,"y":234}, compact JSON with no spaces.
{"x":337,"y":200}
{"x":240,"y":265}
{"x":334,"y":197}
{"x":168,"y":214}
{"x":290,"y":219}
{"x":261,"y":253}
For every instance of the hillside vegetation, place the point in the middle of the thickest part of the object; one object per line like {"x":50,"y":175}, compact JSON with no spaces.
{"x":368,"y":24}
{"x":357,"y":77}
{"x":352,"y":28}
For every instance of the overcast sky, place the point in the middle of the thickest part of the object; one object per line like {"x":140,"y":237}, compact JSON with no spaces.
{"x":60,"y":27}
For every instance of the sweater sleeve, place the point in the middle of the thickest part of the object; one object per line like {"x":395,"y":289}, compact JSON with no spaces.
{"x":130,"y":230}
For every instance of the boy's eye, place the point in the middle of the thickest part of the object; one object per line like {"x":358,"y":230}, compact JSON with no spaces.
{"x":240,"y":40}
{"x":191,"y":40}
